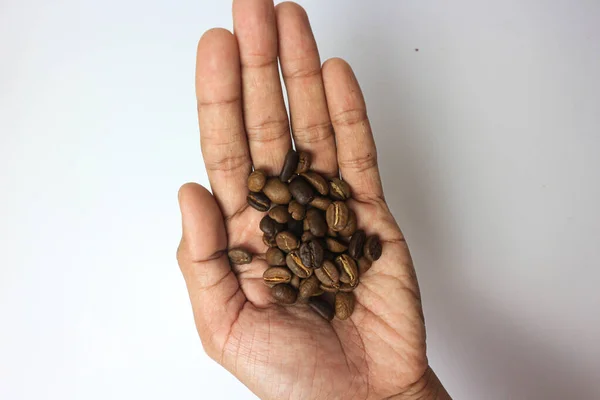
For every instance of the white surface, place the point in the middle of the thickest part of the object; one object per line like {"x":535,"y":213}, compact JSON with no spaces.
{"x":489,"y":141}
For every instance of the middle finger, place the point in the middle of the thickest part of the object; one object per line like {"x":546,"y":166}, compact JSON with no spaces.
{"x":265,"y":116}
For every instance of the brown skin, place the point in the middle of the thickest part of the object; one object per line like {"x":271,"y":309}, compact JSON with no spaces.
{"x":291,"y":352}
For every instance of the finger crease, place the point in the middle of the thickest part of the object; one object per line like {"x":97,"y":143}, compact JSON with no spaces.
{"x":350,"y":117}
{"x":269,"y":131}
{"x":301,"y":73}
{"x":229,"y":163}
{"x":210,"y":103}
{"x":313,"y":133}
{"x":261,"y":62}
{"x":360,"y":164}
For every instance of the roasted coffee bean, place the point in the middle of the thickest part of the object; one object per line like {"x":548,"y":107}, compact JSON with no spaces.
{"x":258,"y":201}
{"x":322,"y":307}
{"x":301,"y":190}
{"x":309,"y":287}
{"x":337,"y":215}
{"x":275,"y":275}
{"x":327,"y":255}
{"x":347,"y":266}
{"x":339,"y":189}
{"x":335,"y":245}
{"x":350,"y":227}
{"x":346,"y":287}
{"x":297,"y":210}
{"x":304,"y":160}
{"x":357,"y":242}
{"x":257,"y":180}
{"x":277,"y":191}
{"x":269,"y":226}
{"x":279,"y":214}
{"x":289,"y":165}
{"x":295,"y":264}
{"x":274,"y":256}
{"x":295,"y":282}
{"x":307,"y":236}
{"x":344,"y":305}
{"x":329,"y":289}
{"x":284,"y":294}
{"x":317,"y":181}
{"x":317,"y":225}
{"x":311,"y":254}
{"x":322,"y":203}
{"x":286,"y":241}
{"x":306,"y":225}
{"x":328,"y":274}
{"x":239,"y":256}
{"x":331,"y":232}
{"x":364,"y":264}
{"x":372,"y":248}
{"x":269,"y":241}
{"x":296,"y":227}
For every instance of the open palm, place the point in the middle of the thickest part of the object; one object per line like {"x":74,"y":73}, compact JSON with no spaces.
{"x":291,"y":352}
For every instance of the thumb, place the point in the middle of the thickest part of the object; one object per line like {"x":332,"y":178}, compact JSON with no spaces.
{"x":214,"y":290}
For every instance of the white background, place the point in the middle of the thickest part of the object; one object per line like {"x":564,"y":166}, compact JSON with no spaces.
{"x":489,"y":141}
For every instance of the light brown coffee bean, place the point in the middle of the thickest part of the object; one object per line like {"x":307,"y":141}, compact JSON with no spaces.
{"x":337,"y":215}
{"x":239,"y":256}
{"x":275,"y":275}
{"x":284,"y":294}
{"x":335,"y":246}
{"x":364,"y":264}
{"x":328,"y":274}
{"x":277,"y":191}
{"x":305,"y":225}
{"x":322,"y":203}
{"x":304,"y":160}
{"x":339,"y":189}
{"x":347,"y":266}
{"x":309,"y":287}
{"x":286,"y":241}
{"x":351,"y":226}
{"x":329,"y":289}
{"x":317,"y":225}
{"x":344,"y":305}
{"x":317,"y":181}
{"x":274,"y":256}
{"x":295,"y":264}
{"x":256,"y":180}
{"x":279,"y":214}
{"x":297,"y":210}
{"x":295,"y":282}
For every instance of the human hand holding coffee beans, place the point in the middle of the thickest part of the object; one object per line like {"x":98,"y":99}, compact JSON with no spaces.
{"x":300,"y":280}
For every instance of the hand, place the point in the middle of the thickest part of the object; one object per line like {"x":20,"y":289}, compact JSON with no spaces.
{"x":291,"y":352}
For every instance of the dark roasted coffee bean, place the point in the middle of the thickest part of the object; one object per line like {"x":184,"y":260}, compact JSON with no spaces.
{"x":289,"y":165}
{"x":357,"y":242}
{"x":328,"y":274}
{"x":256,"y":181}
{"x":284,"y":294}
{"x":344,"y":305}
{"x":311,"y":254}
{"x":346,"y":287}
{"x":372,"y":248}
{"x":350,"y":227}
{"x":269,"y":226}
{"x":286,"y":241}
{"x":335,"y":246}
{"x":327,"y":255}
{"x":275,"y":275}
{"x":297,"y":210}
{"x":279,"y":214}
{"x":331,"y":233}
{"x":309,"y":287}
{"x":317,"y":225}
{"x":239,"y":256}
{"x":301,"y":190}
{"x":337,"y":215}
{"x":304,"y":160}
{"x":307,"y":236}
{"x":274,"y":256}
{"x":322,"y":307}
{"x":347,"y":266}
{"x":269,"y":241}
{"x":295,"y":264}
{"x":317,"y":181}
{"x":277,"y":191}
{"x":339,"y":189}
{"x":364,"y":264}
{"x":329,"y":289}
{"x":258,"y":201}
{"x":322,"y":203}
{"x":296,"y":227}
{"x":295,"y":282}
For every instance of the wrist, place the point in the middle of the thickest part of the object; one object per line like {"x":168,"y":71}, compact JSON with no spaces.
{"x":428,"y":387}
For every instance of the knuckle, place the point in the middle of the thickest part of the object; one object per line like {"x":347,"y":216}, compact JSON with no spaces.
{"x":350,"y":117}
{"x":227,"y":163}
{"x":268,"y":131}
{"x":360,"y":164}
{"x":314,"y":133}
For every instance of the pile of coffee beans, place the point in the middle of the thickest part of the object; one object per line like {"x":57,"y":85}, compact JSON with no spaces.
{"x":316,"y":253}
